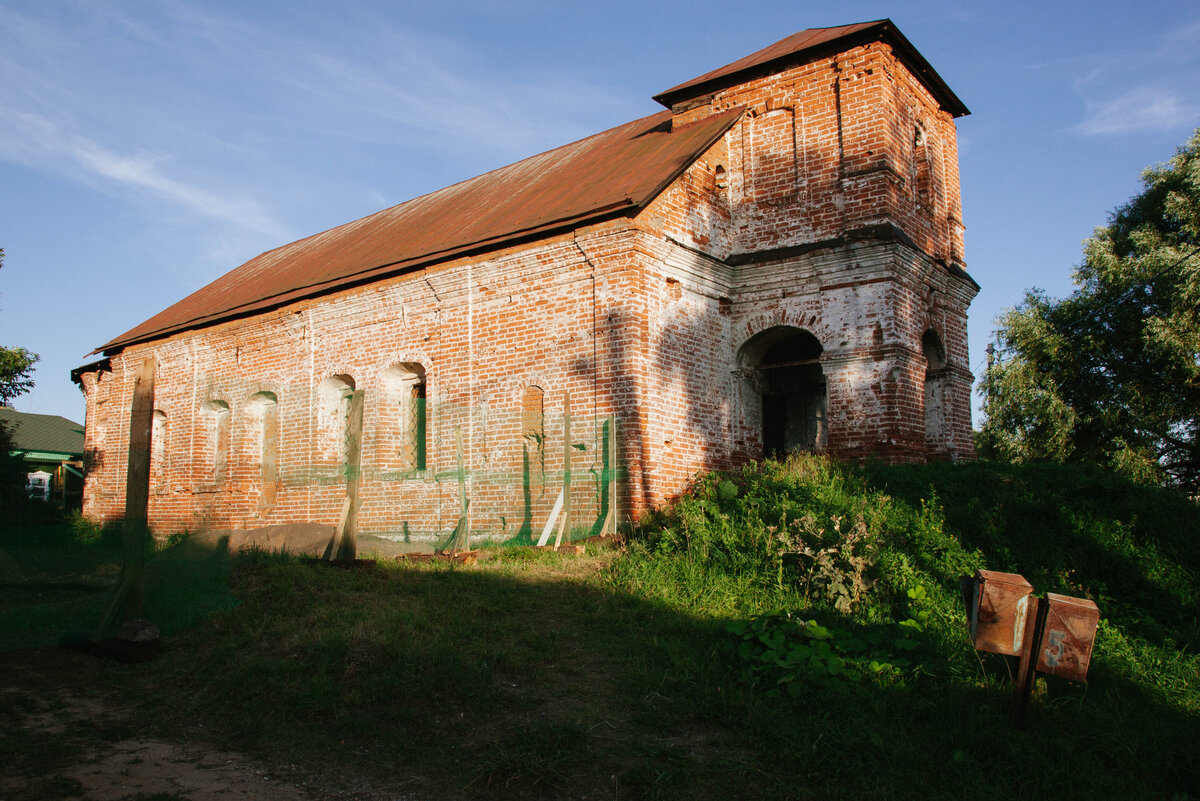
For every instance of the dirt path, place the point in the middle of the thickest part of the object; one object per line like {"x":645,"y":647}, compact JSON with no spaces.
{"x":66,"y":740}
{"x":145,"y":767}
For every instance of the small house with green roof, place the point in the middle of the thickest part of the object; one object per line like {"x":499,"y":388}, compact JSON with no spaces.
{"x":49,"y":444}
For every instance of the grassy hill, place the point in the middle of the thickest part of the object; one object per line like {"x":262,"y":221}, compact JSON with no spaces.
{"x":788,"y":631}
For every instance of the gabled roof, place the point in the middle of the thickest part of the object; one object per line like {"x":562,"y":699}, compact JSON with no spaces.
{"x":42,"y":432}
{"x":614,"y":173}
{"x":812,"y":44}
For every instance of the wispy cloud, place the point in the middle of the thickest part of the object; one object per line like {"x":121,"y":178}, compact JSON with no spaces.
{"x":1182,"y":42}
{"x":1153,"y":90}
{"x":373,"y":80}
{"x":35,"y":141}
{"x":1144,"y":109}
{"x":239,"y":116}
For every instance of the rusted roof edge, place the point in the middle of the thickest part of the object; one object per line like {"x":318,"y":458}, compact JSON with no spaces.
{"x":100,"y":365}
{"x":919,"y":66}
{"x":735,"y":113}
{"x":626,"y":208}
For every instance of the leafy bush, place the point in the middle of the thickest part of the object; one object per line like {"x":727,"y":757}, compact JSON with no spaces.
{"x":828,"y":571}
{"x":1073,"y":529}
{"x":784,"y":653}
{"x":802,"y":530}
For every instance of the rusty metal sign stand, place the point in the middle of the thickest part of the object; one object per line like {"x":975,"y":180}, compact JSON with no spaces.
{"x":1051,"y":635}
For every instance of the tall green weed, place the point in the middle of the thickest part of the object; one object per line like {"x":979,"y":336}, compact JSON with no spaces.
{"x":873,"y":555}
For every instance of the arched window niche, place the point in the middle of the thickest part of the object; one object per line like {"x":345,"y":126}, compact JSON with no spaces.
{"x":333,"y":417}
{"x":782,"y":369}
{"x":214,"y":417}
{"x":403,"y":425}
{"x":262,"y":424}
{"x":935,"y":393}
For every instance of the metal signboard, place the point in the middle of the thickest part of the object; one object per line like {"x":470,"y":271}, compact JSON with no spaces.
{"x":1069,"y":631}
{"x":999,"y":611}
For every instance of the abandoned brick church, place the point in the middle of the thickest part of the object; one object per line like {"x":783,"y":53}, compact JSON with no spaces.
{"x":772,"y":264}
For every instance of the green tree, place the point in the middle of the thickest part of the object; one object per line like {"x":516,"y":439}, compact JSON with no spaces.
{"x":16,"y":364}
{"x":1111,"y":373}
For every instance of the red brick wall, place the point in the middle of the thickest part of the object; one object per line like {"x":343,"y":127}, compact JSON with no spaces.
{"x":829,"y":146}
{"x":643,"y":319}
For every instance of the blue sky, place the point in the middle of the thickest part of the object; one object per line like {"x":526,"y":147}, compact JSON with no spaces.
{"x":147,"y":148}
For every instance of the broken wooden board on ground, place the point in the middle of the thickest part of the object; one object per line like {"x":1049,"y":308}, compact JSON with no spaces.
{"x":602,"y":539}
{"x":461,"y":557}
{"x":571,"y":549}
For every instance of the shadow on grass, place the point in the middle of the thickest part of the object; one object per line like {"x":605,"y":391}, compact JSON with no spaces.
{"x":540,"y":678}
{"x":1075,"y":529}
{"x":56,"y":586}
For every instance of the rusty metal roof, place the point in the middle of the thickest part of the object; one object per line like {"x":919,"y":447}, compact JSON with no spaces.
{"x":811,"y":44}
{"x":617,"y":172}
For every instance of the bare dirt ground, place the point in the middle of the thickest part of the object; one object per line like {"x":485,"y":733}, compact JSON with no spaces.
{"x":67,"y":739}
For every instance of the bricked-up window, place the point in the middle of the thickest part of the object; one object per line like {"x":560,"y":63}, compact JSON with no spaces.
{"x":922,"y":167}
{"x":721,"y":183}
{"x":773,"y":166}
{"x":783,"y":366}
{"x":158,"y":452}
{"x":214,"y":416}
{"x":533,"y":436}
{"x":935,"y":392}
{"x":533,"y":403}
{"x":262,"y":428}
{"x":333,"y":417}
{"x":403,"y":423}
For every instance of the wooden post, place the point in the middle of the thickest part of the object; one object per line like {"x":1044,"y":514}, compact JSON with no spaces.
{"x":127,"y":604}
{"x":610,"y":529}
{"x":462,"y":542}
{"x":335,"y":542}
{"x":564,"y":523}
{"x":550,"y":521}
{"x":1027,"y":667}
{"x":349,"y":543}
{"x":460,"y":538}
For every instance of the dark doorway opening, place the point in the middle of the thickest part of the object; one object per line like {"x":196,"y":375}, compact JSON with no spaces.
{"x":784,"y":364}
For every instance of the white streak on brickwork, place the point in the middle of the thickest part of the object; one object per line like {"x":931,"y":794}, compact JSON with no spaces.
{"x":309,"y":416}
{"x":470,"y":461}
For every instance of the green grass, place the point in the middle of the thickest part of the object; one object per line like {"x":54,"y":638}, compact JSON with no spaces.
{"x":788,"y":631}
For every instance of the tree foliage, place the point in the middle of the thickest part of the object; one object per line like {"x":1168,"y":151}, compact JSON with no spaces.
{"x":16,"y":366}
{"x":1111,"y":373}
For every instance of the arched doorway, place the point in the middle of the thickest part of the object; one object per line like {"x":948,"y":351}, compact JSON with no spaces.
{"x":783,"y":367}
